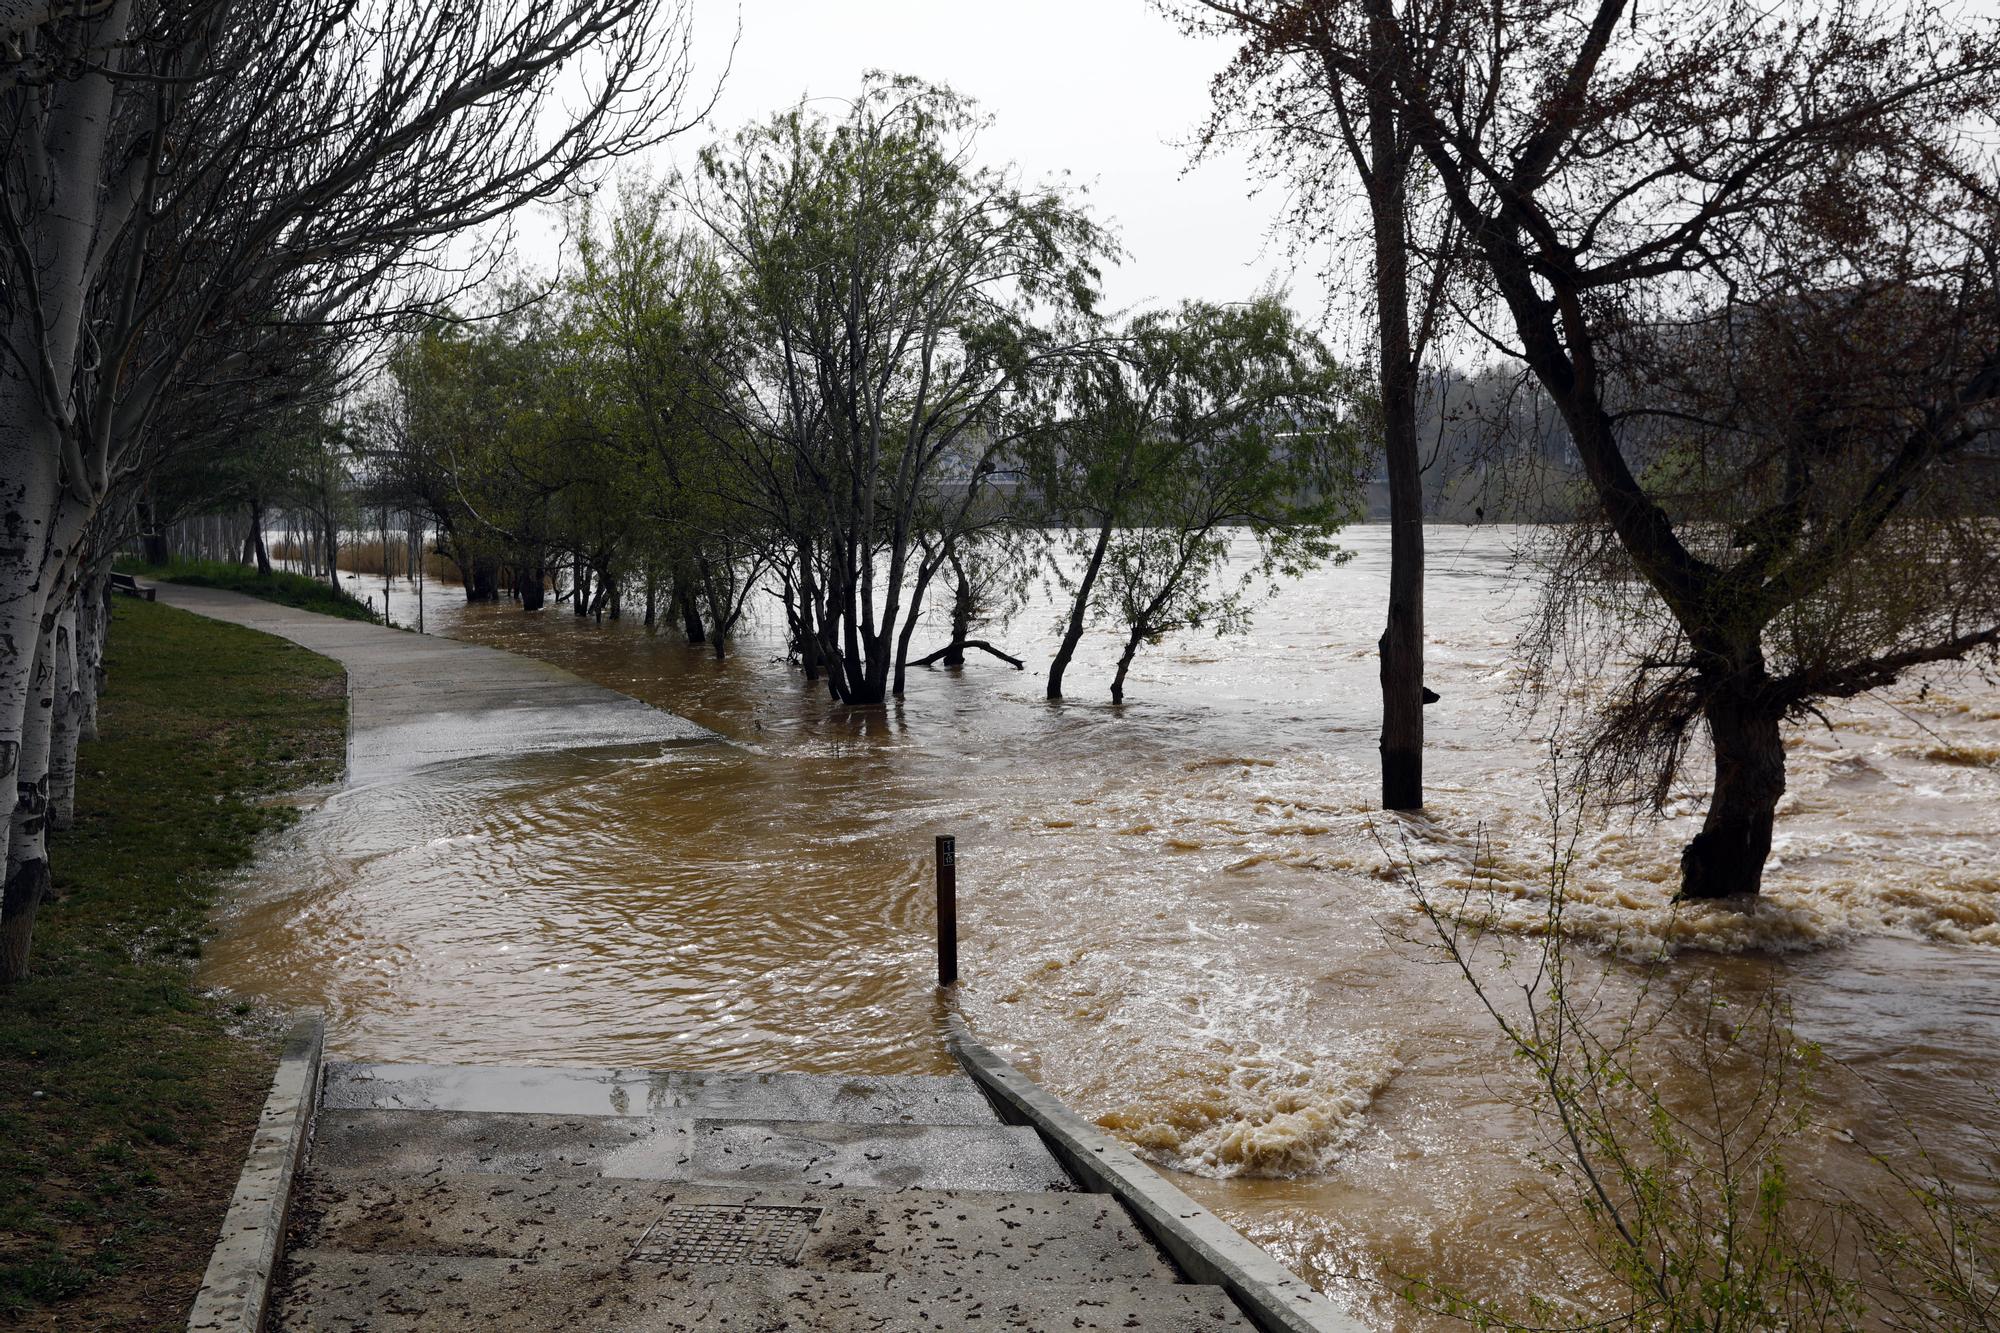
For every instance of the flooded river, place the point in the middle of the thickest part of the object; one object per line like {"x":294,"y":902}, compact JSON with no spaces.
{"x":1178,"y":914}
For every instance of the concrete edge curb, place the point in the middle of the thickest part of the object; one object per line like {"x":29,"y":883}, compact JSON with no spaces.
{"x":1205,"y":1247}
{"x":235,"y":1292}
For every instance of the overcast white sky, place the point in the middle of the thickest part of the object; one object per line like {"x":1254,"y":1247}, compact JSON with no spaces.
{"x":1106,"y":90}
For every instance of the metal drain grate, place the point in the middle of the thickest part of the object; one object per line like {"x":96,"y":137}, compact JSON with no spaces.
{"x":750,"y":1233}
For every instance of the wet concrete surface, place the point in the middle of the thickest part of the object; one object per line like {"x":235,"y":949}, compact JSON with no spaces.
{"x":441,"y":1197}
{"x":451,"y":1197}
{"x":793,"y":1152}
{"x":416,"y":700}
{"x":429,"y":1292}
{"x":939,"y":1233}
{"x":878,"y":1099}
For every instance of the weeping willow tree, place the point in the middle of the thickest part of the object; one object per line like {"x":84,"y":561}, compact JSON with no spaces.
{"x":1809,"y":451}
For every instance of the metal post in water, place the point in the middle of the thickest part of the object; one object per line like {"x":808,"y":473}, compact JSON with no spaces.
{"x":947,"y":909}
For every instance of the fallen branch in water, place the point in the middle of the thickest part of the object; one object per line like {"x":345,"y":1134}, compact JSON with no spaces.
{"x":980,"y":644}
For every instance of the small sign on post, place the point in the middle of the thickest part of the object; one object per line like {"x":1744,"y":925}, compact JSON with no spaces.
{"x":947,"y":910}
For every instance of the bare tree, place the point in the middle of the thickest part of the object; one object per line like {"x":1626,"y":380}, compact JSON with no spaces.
{"x":1646,"y":189}
{"x":171,"y":168}
{"x":1289,"y":91}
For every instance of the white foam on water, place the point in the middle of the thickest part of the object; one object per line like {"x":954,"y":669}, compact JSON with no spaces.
{"x":1247,"y":1110}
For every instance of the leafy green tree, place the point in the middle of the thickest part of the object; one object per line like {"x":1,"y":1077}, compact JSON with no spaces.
{"x":1196,"y":425}
{"x":895,"y":302}
{"x":489,"y":428}
{"x":650,"y":309}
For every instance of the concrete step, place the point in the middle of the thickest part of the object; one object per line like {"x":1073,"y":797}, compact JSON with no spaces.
{"x":835,"y":1099}
{"x":328,"y":1290}
{"x":918,"y":1233}
{"x":711,"y":1152}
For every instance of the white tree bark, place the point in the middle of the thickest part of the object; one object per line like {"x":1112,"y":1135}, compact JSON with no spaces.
{"x":62,"y":144}
{"x":64,"y":721}
{"x":29,"y":501}
{"x":27,"y":880}
{"x":93,"y":614}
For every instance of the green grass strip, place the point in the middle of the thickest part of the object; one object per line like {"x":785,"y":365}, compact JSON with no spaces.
{"x":278,"y":586}
{"x":127,"y":1095}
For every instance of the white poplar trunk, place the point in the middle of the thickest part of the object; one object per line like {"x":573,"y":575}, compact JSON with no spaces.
{"x":59,"y":190}
{"x":93,"y":616}
{"x":27,"y":880}
{"x":65,"y":722}
{"x":29,"y":501}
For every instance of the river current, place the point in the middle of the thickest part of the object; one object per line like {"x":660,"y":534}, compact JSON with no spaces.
{"x":1184,"y":915}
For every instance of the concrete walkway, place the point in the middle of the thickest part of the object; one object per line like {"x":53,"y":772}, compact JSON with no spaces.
{"x":535,"y":1199}
{"x":417,"y":699}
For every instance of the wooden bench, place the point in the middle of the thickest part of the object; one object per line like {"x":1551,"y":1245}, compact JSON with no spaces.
{"x":131,"y":587}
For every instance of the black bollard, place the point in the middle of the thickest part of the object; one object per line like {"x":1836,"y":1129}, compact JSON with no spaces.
{"x":947,"y":910}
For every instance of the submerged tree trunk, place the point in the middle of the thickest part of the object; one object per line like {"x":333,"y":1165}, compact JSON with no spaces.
{"x":1726,"y":859}
{"x":1402,"y":642}
{"x":484,"y":583}
{"x":726,"y":598}
{"x":1078,"y":610}
{"x":961,"y":617}
{"x":963,"y":606}
{"x":1125,"y":662}
{"x":964,"y":603}
{"x":926,"y":570}
{"x":879,"y":656}
{"x":830,"y":617}
{"x":690,"y":610}
{"x":27,"y":881}
{"x":801,"y":632}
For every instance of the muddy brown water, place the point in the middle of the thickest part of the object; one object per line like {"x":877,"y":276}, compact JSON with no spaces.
{"x":1180,"y":914}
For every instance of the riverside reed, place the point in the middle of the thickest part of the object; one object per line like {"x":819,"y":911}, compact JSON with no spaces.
{"x":127,"y":1095}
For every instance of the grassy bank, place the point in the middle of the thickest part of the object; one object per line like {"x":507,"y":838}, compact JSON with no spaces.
{"x":127,"y":1097}
{"x":277,"y":586}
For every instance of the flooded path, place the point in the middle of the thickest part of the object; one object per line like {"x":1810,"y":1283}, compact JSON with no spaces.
{"x":415,"y":701}
{"x":1180,"y":914}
